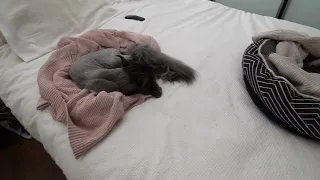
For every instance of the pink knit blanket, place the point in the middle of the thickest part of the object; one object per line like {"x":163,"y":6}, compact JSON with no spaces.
{"x":89,"y":116}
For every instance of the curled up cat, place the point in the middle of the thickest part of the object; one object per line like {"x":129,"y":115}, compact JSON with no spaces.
{"x":134,"y":71}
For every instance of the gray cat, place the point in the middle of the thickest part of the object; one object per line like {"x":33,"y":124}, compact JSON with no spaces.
{"x":133,"y":72}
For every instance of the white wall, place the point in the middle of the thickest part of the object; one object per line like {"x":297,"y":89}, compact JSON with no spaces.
{"x":263,"y":7}
{"x":305,"y":12}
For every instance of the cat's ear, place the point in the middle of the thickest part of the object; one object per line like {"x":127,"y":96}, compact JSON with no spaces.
{"x":124,"y":61}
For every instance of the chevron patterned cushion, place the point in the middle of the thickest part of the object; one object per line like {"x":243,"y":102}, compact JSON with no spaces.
{"x":276,"y":95}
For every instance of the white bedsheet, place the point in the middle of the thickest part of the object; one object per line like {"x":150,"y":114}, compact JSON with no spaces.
{"x":211,"y":130}
{"x":8,"y":59}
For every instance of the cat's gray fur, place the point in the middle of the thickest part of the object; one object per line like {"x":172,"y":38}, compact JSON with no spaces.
{"x":132,"y":72}
{"x":163,"y":66}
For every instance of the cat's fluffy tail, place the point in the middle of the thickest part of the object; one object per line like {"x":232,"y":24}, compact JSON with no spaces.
{"x":165,"y":67}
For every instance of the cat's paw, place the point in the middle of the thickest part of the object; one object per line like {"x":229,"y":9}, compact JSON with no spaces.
{"x":157,"y":93}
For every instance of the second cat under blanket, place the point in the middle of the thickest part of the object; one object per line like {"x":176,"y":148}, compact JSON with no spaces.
{"x":133,"y":72}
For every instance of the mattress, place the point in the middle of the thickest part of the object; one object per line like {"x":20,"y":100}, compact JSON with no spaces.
{"x":210,"y":130}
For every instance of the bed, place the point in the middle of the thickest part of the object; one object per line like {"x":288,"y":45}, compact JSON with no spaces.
{"x":211,"y":130}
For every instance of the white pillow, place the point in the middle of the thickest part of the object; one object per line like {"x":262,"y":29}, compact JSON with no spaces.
{"x":33,"y":27}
